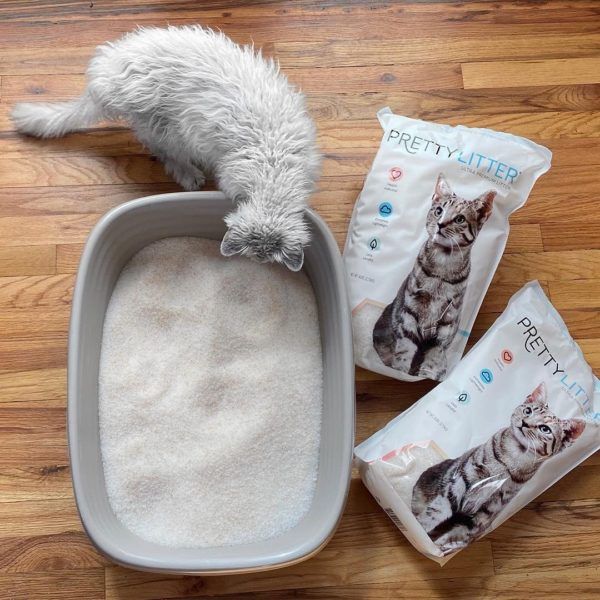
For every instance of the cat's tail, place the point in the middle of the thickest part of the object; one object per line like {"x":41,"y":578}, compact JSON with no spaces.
{"x":47,"y":120}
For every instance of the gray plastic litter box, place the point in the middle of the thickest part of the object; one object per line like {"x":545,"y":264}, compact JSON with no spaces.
{"x":113,"y":241}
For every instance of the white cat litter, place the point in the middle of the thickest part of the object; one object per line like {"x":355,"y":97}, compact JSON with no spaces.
{"x":210,"y":396}
{"x":426,"y":235}
{"x":517,"y":413}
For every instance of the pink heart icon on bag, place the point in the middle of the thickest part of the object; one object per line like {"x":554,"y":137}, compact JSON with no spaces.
{"x":395,"y":173}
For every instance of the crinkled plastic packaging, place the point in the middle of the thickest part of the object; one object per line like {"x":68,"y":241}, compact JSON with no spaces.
{"x":516,"y":414}
{"x":426,"y":235}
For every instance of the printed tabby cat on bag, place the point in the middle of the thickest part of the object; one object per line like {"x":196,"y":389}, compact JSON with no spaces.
{"x":457,"y":500}
{"x":416,"y":328}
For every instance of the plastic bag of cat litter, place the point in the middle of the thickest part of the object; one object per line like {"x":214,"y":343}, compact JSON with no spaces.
{"x":426,"y":235}
{"x":518,"y":412}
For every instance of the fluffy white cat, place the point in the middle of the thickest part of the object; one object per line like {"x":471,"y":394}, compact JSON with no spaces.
{"x":199,"y":102}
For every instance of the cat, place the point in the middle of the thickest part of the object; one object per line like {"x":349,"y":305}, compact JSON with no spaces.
{"x":415,"y":329}
{"x":457,"y":500}
{"x":200,"y":102}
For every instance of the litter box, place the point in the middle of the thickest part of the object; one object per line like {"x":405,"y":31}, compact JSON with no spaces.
{"x":113,"y":241}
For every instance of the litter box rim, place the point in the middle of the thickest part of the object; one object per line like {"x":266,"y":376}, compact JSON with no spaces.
{"x":97,"y":529}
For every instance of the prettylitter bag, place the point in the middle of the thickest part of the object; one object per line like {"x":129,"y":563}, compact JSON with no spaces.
{"x":426,"y":235}
{"x":515,"y":415}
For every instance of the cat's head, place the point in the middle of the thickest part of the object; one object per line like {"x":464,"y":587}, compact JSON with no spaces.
{"x":266,"y":235}
{"x":454,"y":221}
{"x":538,"y":428}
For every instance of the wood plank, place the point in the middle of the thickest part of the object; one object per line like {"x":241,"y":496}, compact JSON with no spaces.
{"x":38,"y":517}
{"x":497,"y":298}
{"x":550,"y":207}
{"x":24,"y":324}
{"x":544,"y":519}
{"x":575,"y":294}
{"x":343,"y":567}
{"x":70,"y":200}
{"x":436,"y":105}
{"x":43,"y":230}
{"x":540,"y":554}
{"x":432,"y":104}
{"x":36,"y":291}
{"x":348,"y":79}
{"x":79,"y":170}
{"x":337,"y":53}
{"x":475,"y":10}
{"x":109,"y":141}
{"x":560,"y":71}
{"x":566,"y":235}
{"x":32,"y":483}
{"x":33,"y":389}
{"x":44,"y":426}
{"x":507,"y":587}
{"x":29,"y":353}
{"x":67,"y":257}
{"x":378,"y":51}
{"x":27,"y":260}
{"x":550,"y":266}
{"x":48,"y":554}
{"x":591,"y":351}
{"x":66,"y":585}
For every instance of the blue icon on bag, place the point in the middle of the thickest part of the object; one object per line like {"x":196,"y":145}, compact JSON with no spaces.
{"x":374,"y":243}
{"x":486,"y":376}
{"x":385,"y":209}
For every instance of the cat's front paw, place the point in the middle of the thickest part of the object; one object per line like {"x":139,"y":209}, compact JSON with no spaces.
{"x":435,"y":374}
{"x":189,"y":177}
{"x":452,"y":547}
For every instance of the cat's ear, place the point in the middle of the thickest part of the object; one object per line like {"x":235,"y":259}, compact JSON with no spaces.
{"x":441,"y":187}
{"x":538,"y":395}
{"x":231,"y":244}
{"x":572,"y":429}
{"x":485,"y":204}
{"x":293,"y":260}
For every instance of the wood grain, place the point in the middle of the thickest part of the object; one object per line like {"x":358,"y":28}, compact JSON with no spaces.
{"x":560,"y":71}
{"x":27,"y":260}
{"x":529,"y":68}
{"x":65,"y":585}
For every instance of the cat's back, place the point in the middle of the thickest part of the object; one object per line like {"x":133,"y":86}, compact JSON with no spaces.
{"x":213,"y":77}
{"x":193,"y":57}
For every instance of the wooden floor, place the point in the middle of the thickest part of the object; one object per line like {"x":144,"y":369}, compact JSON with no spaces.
{"x":530,"y":68}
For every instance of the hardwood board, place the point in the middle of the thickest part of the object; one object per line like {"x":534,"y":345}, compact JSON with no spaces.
{"x":50,"y":554}
{"x":575,"y":294}
{"x":36,"y":291}
{"x":438,"y":104}
{"x":71,"y":200}
{"x":33,"y":389}
{"x":61,"y":585}
{"x":565,"y":235}
{"x":545,"y":553}
{"x":560,"y":71}
{"x":340,"y":567}
{"x":33,"y":352}
{"x":507,"y":587}
{"x":550,"y":266}
{"x":79,"y":170}
{"x":27,"y":260}
{"x":348,"y":52}
{"x":44,"y":426}
{"x":67,"y":257}
{"x":38,"y":517}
